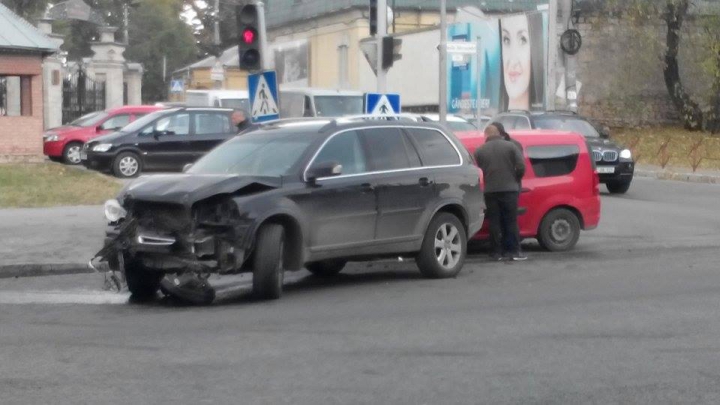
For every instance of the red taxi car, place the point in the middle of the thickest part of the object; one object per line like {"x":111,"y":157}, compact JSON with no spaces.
{"x":560,"y":191}
{"x":64,"y":143}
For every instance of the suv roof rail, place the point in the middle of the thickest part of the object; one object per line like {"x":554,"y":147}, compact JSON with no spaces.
{"x":369,"y":117}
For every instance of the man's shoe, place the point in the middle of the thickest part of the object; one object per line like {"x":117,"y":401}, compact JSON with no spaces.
{"x":496,"y":257}
{"x":519,"y":257}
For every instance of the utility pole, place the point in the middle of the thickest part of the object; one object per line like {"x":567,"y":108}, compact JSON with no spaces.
{"x":216,"y":15}
{"x":126,"y":21}
{"x":381,"y":33}
{"x":552,"y":55}
{"x":478,"y":88}
{"x":442,"y":106}
{"x":263,"y":35}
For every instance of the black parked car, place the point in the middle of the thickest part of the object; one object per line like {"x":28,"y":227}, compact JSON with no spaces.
{"x":614,"y":162}
{"x":165,"y":140}
{"x":313,"y":194}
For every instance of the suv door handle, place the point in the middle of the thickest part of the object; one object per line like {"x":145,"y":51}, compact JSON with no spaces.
{"x":424,"y":182}
{"x":367,"y":188}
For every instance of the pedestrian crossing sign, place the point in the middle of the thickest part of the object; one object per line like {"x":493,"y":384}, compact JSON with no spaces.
{"x":262,"y":88}
{"x":382,"y":104}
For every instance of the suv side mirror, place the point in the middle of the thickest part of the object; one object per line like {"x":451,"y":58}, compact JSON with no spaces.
{"x":605,"y":133}
{"x":324,"y":169}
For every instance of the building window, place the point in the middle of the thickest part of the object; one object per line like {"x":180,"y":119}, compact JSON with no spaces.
{"x":15,"y":96}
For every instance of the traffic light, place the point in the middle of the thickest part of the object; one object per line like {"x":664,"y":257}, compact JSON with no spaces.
{"x":373,"y":17}
{"x":247,"y":19}
{"x":391,"y":48}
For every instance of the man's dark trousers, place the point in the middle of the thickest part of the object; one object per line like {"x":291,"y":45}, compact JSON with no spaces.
{"x":502,"y":211}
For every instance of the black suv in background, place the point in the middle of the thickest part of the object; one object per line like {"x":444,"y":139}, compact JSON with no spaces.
{"x":301,"y":193}
{"x":614,"y":163}
{"x":164,"y":140}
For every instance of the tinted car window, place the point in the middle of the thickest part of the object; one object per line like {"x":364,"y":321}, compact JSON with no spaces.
{"x":211,"y":123}
{"x":556,"y":160}
{"x":117,"y":121}
{"x":436,"y":150}
{"x":508,"y":121}
{"x":389,"y":150}
{"x":522,"y":123}
{"x":460,"y":126}
{"x":146,"y":120}
{"x":572,"y":124}
{"x":337,"y":106}
{"x":345,"y":149}
{"x":176,"y":124}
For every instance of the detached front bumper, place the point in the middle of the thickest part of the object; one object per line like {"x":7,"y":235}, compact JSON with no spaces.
{"x":617,"y":172}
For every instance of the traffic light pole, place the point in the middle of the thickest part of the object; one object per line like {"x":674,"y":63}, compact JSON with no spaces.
{"x":381,"y":33}
{"x":263,"y":35}
{"x":442,"y":102}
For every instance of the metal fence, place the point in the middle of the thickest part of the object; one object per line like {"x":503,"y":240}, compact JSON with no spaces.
{"x":81,"y":95}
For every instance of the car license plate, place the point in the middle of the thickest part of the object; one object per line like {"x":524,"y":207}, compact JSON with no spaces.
{"x":605,"y":170}
{"x":83,"y":156}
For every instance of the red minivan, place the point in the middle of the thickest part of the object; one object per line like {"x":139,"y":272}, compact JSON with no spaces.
{"x":64,"y":143}
{"x":560,"y":191}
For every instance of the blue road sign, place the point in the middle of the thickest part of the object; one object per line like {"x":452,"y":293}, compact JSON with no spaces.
{"x":177,"y":86}
{"x":382,"y":104}
{"x":263,"y":91}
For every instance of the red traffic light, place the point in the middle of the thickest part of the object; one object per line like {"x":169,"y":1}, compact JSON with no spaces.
{"x":249,"y":35}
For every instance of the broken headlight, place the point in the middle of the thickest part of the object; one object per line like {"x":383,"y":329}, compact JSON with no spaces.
{"x":114,"y":211}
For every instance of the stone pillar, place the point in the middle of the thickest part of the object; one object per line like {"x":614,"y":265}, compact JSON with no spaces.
{"x":108,"y":65}
{"x":133,"y":77}
{"x":52,"y":79}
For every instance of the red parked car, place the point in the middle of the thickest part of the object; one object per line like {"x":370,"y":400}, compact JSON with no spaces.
{"x":560,"y":191}
{"x":64,"y":143}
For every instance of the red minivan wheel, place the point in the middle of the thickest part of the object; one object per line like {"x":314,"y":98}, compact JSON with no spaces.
{"x":559,"y":230}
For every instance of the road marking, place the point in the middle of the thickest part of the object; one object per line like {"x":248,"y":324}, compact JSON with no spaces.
{"x":63,"y":297}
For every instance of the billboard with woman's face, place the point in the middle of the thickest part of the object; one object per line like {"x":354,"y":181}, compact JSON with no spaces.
{"x":510,"y":73}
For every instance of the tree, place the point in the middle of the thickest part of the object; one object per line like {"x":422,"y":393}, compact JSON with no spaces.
{"x":673,"y":13}
{"x":157,"y":31}
{"x":203,"y":24}
{"x":27,"y":9}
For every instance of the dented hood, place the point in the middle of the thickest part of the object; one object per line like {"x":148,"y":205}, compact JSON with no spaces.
{"x":188,"y":189}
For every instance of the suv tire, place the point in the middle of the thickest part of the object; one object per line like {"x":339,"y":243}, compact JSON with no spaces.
{"x":268,"y":269}
{"x":559,"y":230}
{"x":142,"y":283}
{"x":123,"y":164}
{"x":326,"y":268}
{"x":444,"y":247}
{"x":618,"y":187}
{"x":71,"y":153}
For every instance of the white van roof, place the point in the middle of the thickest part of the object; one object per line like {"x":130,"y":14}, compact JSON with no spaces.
{"x":222,"y":93}
{"x":321,"y":92}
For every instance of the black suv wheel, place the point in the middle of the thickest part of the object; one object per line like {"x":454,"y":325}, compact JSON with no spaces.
{"x":127,"y":165}
{"x":559,"y":230}
{"x":268,"y":272}
{"x":444,"y":247}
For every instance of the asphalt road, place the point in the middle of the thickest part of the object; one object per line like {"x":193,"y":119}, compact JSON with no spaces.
{"x":630,"y":316}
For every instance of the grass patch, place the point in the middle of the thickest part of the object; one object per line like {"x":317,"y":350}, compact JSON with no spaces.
{"x":52,"y":184}
{"x":671,"y":146}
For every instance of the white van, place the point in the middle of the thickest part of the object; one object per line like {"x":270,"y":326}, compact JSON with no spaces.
{"x":310,"y":102}
{"x":218,"y":98}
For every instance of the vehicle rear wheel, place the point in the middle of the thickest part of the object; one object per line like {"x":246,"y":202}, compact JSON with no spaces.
{"x":268,"y":271}
{"x":326,"y":268}
{"x":444,"y":247}
{"x":618,"y":187}
{"x":142,"y":282}
{"x":559,"y":230}
{"x":127,"y":165}
{"x":71,"y":153}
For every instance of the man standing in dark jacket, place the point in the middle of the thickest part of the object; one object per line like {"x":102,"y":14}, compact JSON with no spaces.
{"x":241,"y":120}
{"x":503,"y":167}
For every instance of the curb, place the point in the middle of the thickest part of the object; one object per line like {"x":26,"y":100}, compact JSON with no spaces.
{"x":686,"y":177}
{"x":37,"y":270}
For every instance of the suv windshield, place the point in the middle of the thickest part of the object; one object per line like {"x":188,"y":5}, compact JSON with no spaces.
{"x":255,"y":154}
{"x":572,"y":124}
{"x":338,"y":106}
{"x":89,"y":120}
{"x":140,"y":123}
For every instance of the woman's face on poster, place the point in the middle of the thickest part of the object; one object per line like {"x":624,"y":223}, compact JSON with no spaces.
{"x":516,"y":57}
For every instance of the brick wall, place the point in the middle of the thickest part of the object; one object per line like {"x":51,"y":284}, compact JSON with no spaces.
{"x":22,"y":136}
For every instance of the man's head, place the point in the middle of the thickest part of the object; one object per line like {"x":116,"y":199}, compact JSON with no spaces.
{"x":501,"y":128}
{"x":491,"y":131}
{"x":238,"y":116}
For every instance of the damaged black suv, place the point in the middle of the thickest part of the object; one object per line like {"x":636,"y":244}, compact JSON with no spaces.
{"x":303,"y":193}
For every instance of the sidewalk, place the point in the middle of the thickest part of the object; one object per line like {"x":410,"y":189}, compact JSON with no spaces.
{"x":41,"y":241}
{"x":678,"y":174}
